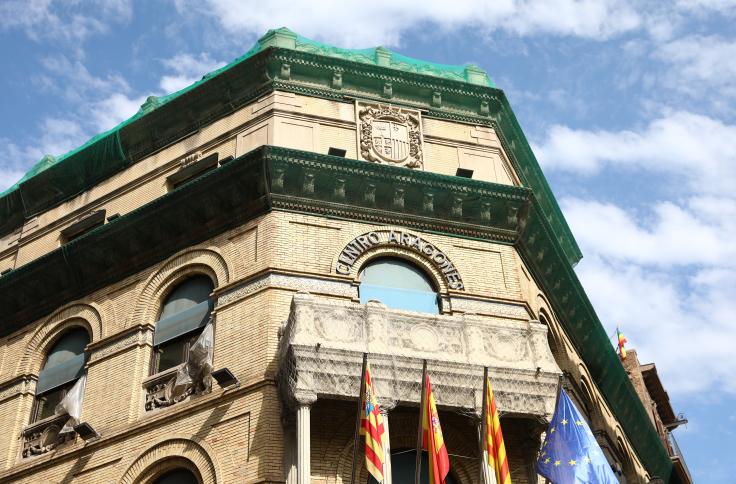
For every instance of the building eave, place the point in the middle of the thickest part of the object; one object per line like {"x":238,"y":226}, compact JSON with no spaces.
{"x":160,"y":124}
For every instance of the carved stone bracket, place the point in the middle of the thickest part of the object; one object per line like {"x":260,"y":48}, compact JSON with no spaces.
{"x":159,"y":390}
{"x":43,"y":436}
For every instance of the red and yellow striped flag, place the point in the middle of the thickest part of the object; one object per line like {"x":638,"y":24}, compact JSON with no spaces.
{"x":497,"y":459}
{"x":371,"y":425}
{"x":432,"y":440}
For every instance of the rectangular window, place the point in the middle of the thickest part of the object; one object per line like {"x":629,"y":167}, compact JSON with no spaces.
{"x":46,"y":403}
{"x":464,"y":172}
{"x":81,"y":227}
{"x":193,"y":170}
{"x":170,"y":354}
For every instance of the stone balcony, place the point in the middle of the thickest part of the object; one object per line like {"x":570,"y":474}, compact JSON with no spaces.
{"x":323,"y":341}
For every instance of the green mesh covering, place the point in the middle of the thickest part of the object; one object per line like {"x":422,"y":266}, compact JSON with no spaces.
{"x":109,"y":142}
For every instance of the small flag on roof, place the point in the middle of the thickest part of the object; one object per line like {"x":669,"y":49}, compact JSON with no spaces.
{"x":621,"y":342}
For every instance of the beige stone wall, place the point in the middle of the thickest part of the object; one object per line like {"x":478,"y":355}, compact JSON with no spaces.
{"x":236,"y":436}
{"x":120,"y":318}
{"x":280,"y":119}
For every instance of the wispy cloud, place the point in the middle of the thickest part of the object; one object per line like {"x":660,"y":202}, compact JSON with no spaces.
{"x":62,"y":21}
{"x":384,"y":22}
{"x":697,"y":149}
{"x":664,"y":268}
{"x":186,"y":69}
{"x":699,"y":66}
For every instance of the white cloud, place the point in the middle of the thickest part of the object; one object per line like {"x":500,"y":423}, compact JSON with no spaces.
{"x":110,"y":111}
{"x":700,"y":66}
{"x":60,"y":20}
{"x":383,"y":22}
{"x":187,"y":69}
{"x":670,"y":235}
{"x":697,"y":149}
{"x":675,"y":322}
{"x":722,"y":6}
{"x":665,"y":270}
{"x":71,"y":79}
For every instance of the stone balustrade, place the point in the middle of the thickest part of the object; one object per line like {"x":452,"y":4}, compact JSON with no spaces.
{"x":323,"y":341}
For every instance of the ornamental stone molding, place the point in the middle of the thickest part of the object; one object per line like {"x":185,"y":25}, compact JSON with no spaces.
{"x":152,"y":461}
{"x":139,"y":337}
{"x":185,"y":264}
{"x":84,"y":315}
{"x":293,"y":282}
{"x":492,"y":308}
{"x":398,"y":241}
{"x":323,"y":341}
{"x":21,"y":385}
{"x":389,"y":134}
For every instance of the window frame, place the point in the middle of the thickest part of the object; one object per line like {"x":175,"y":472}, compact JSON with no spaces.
{"x":190,"y":337}
{"x":64,"y":387}
{"x":411,"y":265}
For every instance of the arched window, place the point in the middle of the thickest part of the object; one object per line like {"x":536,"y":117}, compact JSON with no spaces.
{"x":185,"y":312}
{"x":64,"y":365}
{"x":177,"y":476}
{"x":398,"y":284}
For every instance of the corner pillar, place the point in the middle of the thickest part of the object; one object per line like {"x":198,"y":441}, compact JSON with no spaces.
{"x":304,"y":438}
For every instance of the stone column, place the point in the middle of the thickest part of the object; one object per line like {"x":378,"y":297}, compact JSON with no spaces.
{"x":290,"y":443}
{"x":303,"y":437}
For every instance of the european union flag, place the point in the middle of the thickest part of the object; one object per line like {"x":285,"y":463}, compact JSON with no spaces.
{"x":570,"y":453}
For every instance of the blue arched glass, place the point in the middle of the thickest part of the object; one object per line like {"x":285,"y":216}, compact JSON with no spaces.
{"x":399,"y":285}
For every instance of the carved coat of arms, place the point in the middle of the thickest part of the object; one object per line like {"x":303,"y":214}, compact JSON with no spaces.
{"x":390,"y":135}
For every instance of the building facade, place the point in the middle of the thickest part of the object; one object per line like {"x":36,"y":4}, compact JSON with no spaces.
{"x":286,"y":214}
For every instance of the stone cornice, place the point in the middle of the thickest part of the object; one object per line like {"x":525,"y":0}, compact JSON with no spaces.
{"x":295,"y":71}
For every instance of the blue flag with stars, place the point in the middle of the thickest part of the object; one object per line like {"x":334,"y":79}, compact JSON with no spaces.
{"x":569,"y":452}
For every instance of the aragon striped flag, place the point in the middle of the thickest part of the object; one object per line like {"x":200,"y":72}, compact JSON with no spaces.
{"x":432,"y":440}
{"x":497,"y":459}
{"x":371,"y":425}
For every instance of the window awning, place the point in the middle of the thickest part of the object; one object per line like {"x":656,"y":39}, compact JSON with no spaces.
{"x":182,"y":322}
{"x":58,"y":375}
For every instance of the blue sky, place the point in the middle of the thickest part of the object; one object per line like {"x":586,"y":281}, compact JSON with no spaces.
{"x":630,"y":107}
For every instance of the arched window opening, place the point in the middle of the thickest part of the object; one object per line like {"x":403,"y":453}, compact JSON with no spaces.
{"x":398,"y":284}
{"x":403,"y":463}
{"x":185,"y":311}
{"x":554,"y":346}
{"x":64,"y":365}
{"x":177,"y":476}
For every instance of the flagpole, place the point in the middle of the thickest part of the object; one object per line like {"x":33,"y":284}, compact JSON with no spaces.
{"x":420,"y":430}
{"x":483,"y":424}
{"x":356,"y":442}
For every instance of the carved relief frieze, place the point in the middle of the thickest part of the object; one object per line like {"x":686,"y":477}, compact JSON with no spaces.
{"x":287,"y":281}
{"x":45,"y":436}
{"x":325,"y":361}
{"x":390,"y":135}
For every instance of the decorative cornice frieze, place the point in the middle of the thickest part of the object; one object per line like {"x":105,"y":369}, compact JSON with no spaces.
{"x":138,"y":336}
{"x":291,"y":282}
{"x":490,"y":308}
{"x":17,"y":386}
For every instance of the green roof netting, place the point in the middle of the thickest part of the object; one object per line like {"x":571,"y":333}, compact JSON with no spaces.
{"x":105,"y":154}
